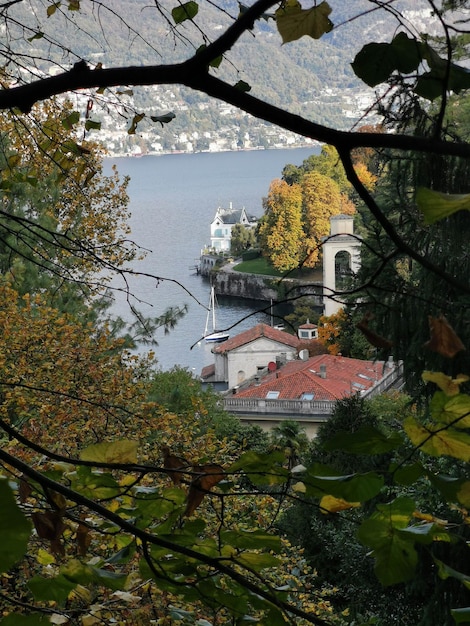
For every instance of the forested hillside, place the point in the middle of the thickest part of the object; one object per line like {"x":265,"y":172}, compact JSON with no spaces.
{"x":307,"y":77}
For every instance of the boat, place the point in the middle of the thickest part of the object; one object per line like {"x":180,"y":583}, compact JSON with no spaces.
{"x":213,"y":336}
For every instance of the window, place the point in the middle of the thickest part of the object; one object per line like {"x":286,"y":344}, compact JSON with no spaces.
{"x":307,"y":396}
{"x":304,"y":334}
{"x":272,"y":395}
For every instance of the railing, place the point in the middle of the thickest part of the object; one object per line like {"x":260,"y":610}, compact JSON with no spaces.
{"x":299,"y":408}
{"x":394,"y":379}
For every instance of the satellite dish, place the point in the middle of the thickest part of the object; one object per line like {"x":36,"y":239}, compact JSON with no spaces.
{"x":303,"y":355}
{"x":272,"y":367}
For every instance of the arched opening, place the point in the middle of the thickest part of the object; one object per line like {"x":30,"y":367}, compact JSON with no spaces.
{"x":342,"y":269}
{"x":240,"y":376}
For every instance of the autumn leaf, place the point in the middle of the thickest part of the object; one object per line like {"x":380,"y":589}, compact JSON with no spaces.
{"x":124,"y":451}
{"x":83,"y":539}
{"x":173,"y":463}
{"x":210,"y":475}
{"x":293,"y":22}
{"x":330,"y":504}
{"x":372,"y":337}
{"x":450,"y":386}
{"x":444,"y":340}
{"x":436,"y":206}
{"x":439,"y":441}
{"x":50,"y":526}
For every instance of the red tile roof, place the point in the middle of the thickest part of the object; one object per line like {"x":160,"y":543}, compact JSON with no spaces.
{"x":260,"y":330}
{"x":344,"y":377}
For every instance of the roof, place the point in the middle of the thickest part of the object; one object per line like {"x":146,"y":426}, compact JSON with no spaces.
{"x":258,"y":331}
{"x":233,"y":216}
{"x":344,"y":377}
{"x":308,"y":325}
{"x":208,"y":371}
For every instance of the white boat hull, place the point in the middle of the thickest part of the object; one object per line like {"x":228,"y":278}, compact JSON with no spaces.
{"x":216,"y":337}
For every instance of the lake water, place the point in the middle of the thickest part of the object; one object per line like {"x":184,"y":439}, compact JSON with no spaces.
{"x":173,"y":199}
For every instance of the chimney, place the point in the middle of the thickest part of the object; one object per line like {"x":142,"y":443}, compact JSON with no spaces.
{"x":322,"y":370}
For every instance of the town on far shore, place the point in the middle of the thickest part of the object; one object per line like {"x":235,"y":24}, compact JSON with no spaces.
{"x":267,"y":375}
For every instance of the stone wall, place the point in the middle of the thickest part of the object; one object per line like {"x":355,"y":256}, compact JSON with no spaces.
{"x":256,"y":287}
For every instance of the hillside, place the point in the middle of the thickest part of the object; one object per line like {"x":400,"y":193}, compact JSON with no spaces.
{"x":308,"y":77}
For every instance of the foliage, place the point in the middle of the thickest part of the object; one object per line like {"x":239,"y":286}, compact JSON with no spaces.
{"x":280,"y":232}
{"x":242,"y":239}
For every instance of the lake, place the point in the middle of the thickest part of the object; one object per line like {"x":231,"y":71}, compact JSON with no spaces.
{"x":173,"y":199}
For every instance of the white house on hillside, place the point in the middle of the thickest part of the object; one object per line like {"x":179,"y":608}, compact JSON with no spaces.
{"x":224,"y":221}
{"x":246,"y":354}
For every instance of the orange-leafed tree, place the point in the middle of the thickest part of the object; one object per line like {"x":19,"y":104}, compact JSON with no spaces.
{"x":321,"y":199}
{"x":281,"y":232}
{"x":329,"y":330}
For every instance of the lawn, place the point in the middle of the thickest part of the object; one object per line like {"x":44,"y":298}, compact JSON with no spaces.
{"x":261,"y":266}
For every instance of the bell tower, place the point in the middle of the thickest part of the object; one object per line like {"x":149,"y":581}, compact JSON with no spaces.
{"x":341,"y":259}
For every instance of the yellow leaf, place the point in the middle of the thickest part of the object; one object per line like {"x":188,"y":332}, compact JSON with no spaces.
{"x":330,"y":504}
{"x":463,"y":494}
{"x":293,"y":22}
{"x":124,"y":451}
{"x":450,"y":386}
{"x":299,"y":487}
{"x":439,"y":441}
{"x":426,"y":517}
{"x":44,"y":558}
{"x":435,"y":205}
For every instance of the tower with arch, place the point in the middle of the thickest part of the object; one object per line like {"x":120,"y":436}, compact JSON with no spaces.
{"x":341,"y":258}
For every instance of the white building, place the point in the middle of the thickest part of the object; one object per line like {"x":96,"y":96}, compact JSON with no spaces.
{"x":341,"y":257}
{"x":248,"y":353}
{"x":224,"y":221}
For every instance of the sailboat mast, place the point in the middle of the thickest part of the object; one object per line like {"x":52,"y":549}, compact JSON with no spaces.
{"x":213,"y":309}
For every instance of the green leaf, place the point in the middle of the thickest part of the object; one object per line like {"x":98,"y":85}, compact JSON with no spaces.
{"x":38,"y":35}
{"x":163,"y":119}
{"x":376,"y":62}
{"x":91,"y":125}
{"x":15,"y":529}
{"x":17,"y":619}
{"x":293,"y":22}
{"x":352,"y":488}
{"x":251,"y":539}
{"x":257,"y":561}
{"x":425,"y":533}
{"x":461,"y":616}
{"x":448,"y":572}
{"x":124,"y":451}
{"x":407,"y":474}
{"x":96,"y":485}
{"x":436,"y":206}
{"x":262,"y":469}
{"x":366,"y":440}
{"x":241,"y":85}
{"x":84,"y":574}
{"x":393,"y":551}
{"x":51,"y":589}
{"x":186,"y":11}
{"x":71,"y":119}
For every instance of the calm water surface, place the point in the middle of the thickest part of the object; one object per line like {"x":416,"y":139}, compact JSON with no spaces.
{"x":173,"y":199}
